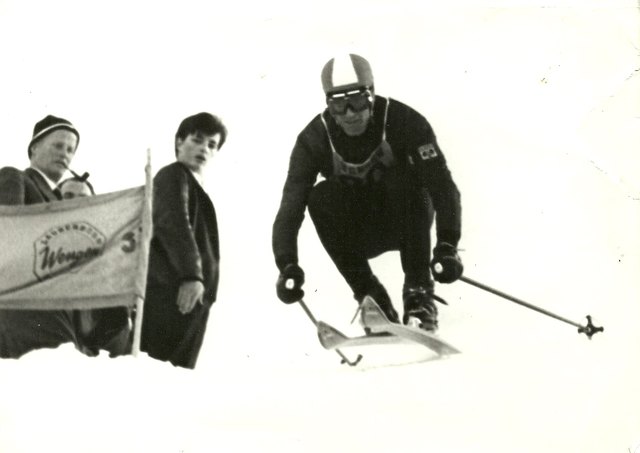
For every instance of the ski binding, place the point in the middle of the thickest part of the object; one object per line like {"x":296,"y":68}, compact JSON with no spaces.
{"x":374,"y":318}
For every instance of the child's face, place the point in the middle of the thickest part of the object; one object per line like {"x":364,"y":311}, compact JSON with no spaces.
{"x":73,"y":189}
{"x":197,"y":149}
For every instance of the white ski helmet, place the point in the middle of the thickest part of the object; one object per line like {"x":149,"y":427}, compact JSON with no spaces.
{"x":345,"y":73}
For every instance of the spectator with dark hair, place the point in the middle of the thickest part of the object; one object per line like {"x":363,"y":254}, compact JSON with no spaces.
{"x":184,"y":253}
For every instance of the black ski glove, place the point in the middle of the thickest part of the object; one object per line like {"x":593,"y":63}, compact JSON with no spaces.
{"x":291,"y":272}
{"x":446,"y":265}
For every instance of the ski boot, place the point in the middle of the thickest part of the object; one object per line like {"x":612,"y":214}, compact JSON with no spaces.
{"x":419,"y":309}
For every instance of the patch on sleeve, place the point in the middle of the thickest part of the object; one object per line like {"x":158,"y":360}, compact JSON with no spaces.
{"x":427,"y":151}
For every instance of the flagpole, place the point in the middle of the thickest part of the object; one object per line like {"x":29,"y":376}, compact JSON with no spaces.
{"x":137,"y":327}
{"x":144,"y":255}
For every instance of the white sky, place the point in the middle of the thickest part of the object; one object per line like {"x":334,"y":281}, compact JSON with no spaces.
{"x":535,"y":105}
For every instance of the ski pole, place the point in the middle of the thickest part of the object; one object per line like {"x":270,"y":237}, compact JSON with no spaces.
{"x":589,"y":329}
{"x":315,"y":323}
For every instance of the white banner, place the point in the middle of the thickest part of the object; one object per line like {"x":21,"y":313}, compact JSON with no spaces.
{"x":80,"y":253}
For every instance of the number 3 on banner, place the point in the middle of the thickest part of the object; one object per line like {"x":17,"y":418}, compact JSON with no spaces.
{"x":129,"y":240}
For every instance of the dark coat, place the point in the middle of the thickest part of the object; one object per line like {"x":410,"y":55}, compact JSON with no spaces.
{"x":184,"y":247}
{"x":24,"y":187}
{"x":22,"y":331}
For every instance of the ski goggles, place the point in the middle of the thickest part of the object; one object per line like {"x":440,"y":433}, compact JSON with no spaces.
{"x":357,"y":101}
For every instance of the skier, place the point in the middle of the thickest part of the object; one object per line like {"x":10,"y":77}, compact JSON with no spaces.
{"x":384,"y":176}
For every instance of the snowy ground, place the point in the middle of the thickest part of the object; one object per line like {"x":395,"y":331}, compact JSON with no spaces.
{"x":534,"y":108}
{"x":505,"y":393}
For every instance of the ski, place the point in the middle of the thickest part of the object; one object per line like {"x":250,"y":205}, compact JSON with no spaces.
{"x":332,"y":338}
{"x":375,"y":319}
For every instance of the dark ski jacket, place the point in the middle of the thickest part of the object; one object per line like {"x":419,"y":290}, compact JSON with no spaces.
{"x":417,"y":157}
